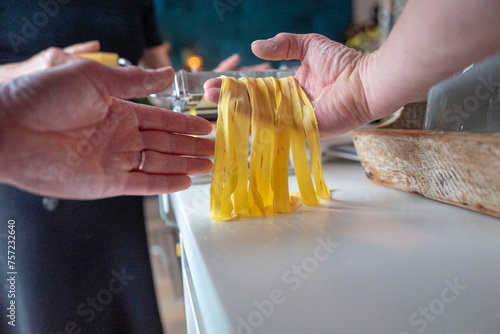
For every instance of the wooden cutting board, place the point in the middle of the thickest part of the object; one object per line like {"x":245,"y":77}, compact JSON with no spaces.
{"x":457,"y":168}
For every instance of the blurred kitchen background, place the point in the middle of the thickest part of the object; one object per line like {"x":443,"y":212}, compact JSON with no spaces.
{"x":216,"y":29}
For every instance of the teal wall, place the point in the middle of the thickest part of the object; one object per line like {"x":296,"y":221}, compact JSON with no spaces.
{"x":217,"y":29}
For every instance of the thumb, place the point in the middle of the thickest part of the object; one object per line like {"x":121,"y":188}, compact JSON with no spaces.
{"x":283,"y":46}
{"x":127,"y":82}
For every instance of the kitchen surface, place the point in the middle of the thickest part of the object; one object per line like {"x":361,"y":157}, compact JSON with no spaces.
{"x":370,"y":260}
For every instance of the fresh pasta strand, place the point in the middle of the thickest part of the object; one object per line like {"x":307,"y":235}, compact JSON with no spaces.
{"x":279,"y":116}
{"x":282,"y":121}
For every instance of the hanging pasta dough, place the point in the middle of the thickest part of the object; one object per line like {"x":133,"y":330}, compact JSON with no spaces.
{"x":280,"y":117}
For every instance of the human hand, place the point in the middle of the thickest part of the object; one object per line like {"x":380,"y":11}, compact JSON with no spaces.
{"x":67,"y":133}
{"x":231,"y":63}
{"x":46,"y":59}
{"x":330,"y":73}
{"x":156,"y":56}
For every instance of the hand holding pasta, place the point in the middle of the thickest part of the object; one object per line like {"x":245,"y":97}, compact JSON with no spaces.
{"x":280,"y":117}
{"x":329,"y":74}
{"x":430,"y":42}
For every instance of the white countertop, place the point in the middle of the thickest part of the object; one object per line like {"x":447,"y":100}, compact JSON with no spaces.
{"x":373,"y":260}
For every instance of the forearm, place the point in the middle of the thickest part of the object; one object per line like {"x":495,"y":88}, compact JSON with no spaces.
{"x":14,"y":70}
{"x":431,"y":41}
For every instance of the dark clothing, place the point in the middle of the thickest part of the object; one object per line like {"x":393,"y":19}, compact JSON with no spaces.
{"x":123,"y":26}
{"x":82,"y":266}
{"x":74,"y":256}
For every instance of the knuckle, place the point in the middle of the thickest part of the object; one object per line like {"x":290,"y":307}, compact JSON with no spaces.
{"x":52,"y":55}
{"x":282,"y":35}
{"x":54,"y":51}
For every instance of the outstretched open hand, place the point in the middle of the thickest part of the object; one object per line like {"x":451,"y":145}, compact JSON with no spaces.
{"x":329,"y":74}
{"x":66,"y":132}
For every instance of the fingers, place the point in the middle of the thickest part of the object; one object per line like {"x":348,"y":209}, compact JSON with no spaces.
{"x":128,"y":82}
{"x":91,"y":46}
{"x":177,"y":144}
{"x":229,"y":63}
{"x":212,"y":90}
{"x":212,"y":95}
{"x":160,"y":163}
{"x":142,"y":184}
{"x":232,"y":62}
{"x":258,"y":67}
{"x":152,"y":118}
{"x":282,"y":46}
{"x":53,"y":57}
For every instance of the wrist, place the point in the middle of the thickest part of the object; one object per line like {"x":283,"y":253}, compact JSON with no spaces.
{"x":389,"y":82}
{"x":374,"y":83}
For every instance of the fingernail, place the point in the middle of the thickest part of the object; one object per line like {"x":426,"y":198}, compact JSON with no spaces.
{"x":164,"y":69}
{"x":258,"y":41}
{"x":267,"y":44}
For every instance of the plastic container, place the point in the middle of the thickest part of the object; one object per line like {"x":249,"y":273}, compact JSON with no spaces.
{"x":469,"y":101}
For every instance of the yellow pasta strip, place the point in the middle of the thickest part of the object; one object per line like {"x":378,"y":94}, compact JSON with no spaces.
{"x":312,"y":133}
{"x":230,"y":166}
{"x":241,"y":137}
{"x":299,"y":151}
{"x":280,"y":117}
{"x":254,"y":198}
{"x":219,"y":162}
{"x":279,"y":180}
{"x":265,"y":133}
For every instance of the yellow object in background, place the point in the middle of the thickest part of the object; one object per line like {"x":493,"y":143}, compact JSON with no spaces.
{"x":280,"y":117}
{"x":192,"y":110}
{"x":106,"y":58}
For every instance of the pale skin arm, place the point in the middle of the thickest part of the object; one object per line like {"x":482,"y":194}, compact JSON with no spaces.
{"x":46,"y":59}
{"x":232,"y":62}
{"x":67,"y":132}
{"x":431,"y":41}
{"x":156,"y":57}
